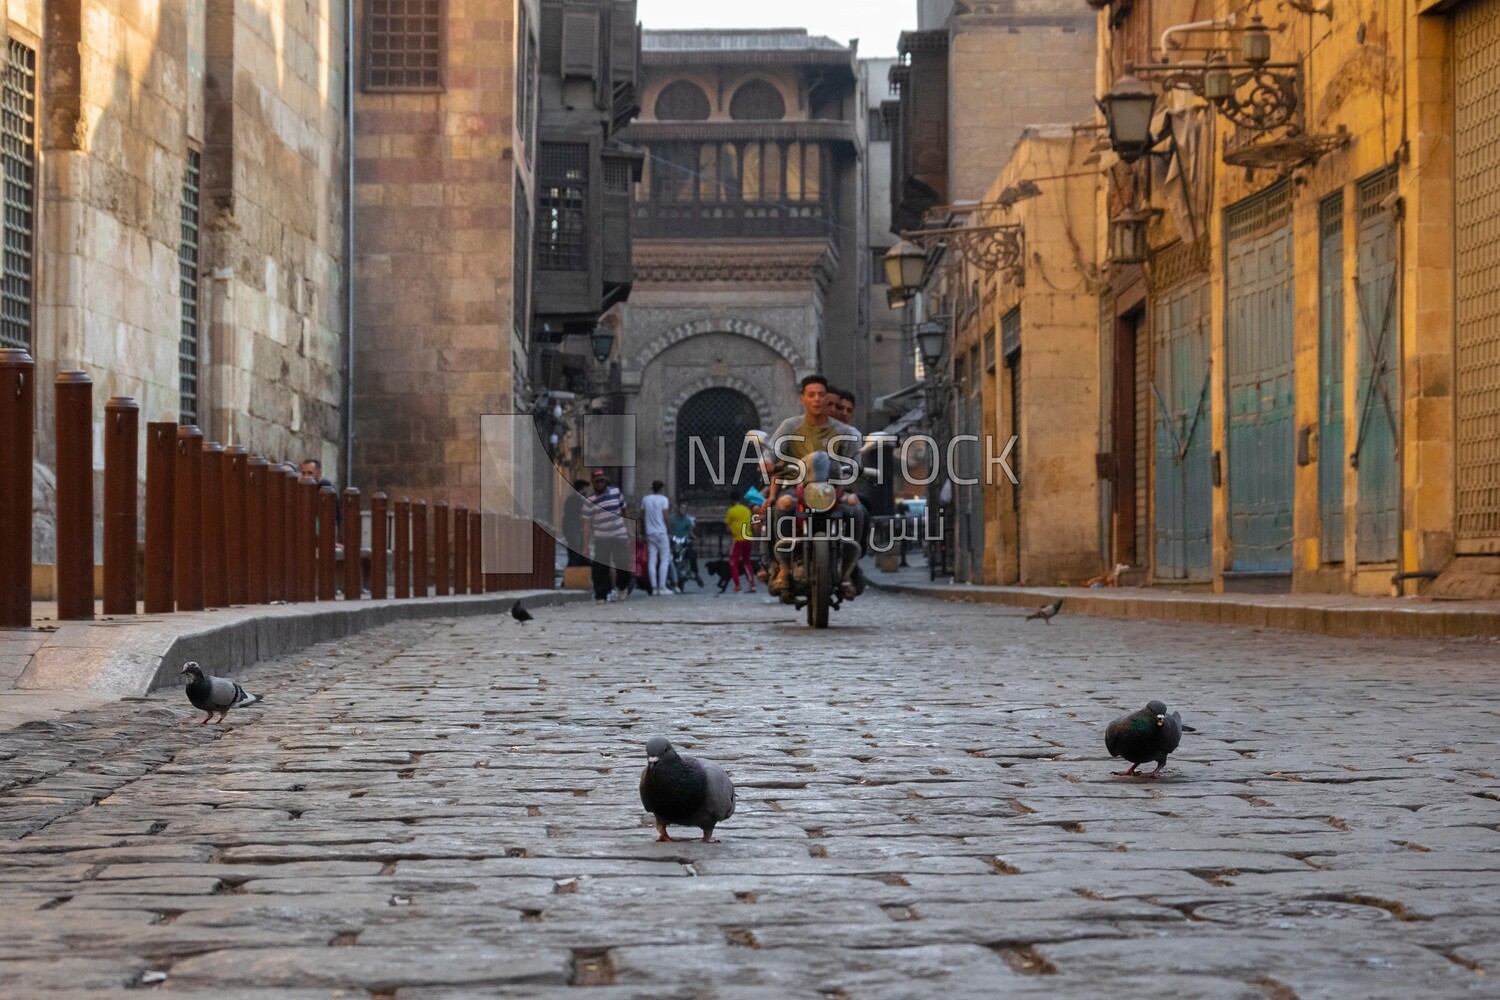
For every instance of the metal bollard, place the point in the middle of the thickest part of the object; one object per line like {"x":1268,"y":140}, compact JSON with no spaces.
{"x":74,"y":565}
{"x":440,"y":568}
{"x":419,"y":528}
{"x":257,"y":475}
{"x":122,"y":425}
{"x":215,"y":583}
{"x":403,"y":548}
{"x":328,"y":504}
{"x":460,"y":549}
{"x":307,"y":541}
{"x":275,"y":486}
{"x":477,"y":582}
{"x":161,"y":494}
{"x":378,"y":527}
{"x":17,"y":428}
{"x":236,"y":535}
{"x":353,"y":582}
{"x":291,"y":508}
{"x":189,"y":519}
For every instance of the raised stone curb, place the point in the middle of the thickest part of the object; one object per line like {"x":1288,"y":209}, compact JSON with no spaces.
{"x":124,"y":657}
{"x":1333,"y":616}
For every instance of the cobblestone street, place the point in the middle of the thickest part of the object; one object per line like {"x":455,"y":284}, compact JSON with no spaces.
{"x":926,"y":810}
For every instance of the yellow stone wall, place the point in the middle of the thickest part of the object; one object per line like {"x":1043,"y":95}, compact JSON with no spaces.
{"x":1381,"y":73}
{"x":1054,"y":538}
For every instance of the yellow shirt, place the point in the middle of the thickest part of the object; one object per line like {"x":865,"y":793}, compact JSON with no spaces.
{"x":738,"y":521}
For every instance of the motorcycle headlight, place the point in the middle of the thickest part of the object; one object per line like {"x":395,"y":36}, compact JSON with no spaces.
{"x":819,"y":496}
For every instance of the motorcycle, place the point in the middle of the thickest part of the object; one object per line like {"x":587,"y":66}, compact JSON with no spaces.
{"x":682,"y":567}
{"x":817,"y":524}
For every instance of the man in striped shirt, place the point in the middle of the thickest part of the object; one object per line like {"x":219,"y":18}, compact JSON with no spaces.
{"x":608,"y":536}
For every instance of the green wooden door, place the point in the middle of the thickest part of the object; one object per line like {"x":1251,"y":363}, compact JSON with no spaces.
{"x":1377,"y":529}
{"x":1258,"y":332}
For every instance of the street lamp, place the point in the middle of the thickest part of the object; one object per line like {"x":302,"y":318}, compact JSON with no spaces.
{"x":1128,"y":109}
{"x":602,"y":341}
{"x":905,"y":267}
{"x":1127,"y":237}
{"x":932,"y":339}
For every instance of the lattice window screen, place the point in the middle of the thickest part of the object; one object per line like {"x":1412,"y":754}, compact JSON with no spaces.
{"x":405,"y":44}
{"x":187,"y":284}
{"x":18,"y":151}
{"x":562,"y":207}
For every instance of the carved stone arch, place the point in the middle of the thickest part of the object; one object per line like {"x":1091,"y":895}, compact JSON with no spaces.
{"x":691,"y":388}
{"x":740,"y":327}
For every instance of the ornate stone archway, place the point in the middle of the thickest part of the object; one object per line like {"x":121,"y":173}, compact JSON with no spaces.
{"x":691,"y":388}
{"x":739,"y":327}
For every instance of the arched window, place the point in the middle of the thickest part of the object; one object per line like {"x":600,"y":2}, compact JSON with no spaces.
{"x":757,"y":101}
{"x":682,"y":101}
{"x":716,"y":419}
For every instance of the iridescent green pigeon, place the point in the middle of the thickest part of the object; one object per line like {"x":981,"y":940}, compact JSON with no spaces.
{"x":1150,"y":734}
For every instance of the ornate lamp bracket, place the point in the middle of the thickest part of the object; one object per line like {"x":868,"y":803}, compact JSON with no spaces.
{"x":1258,"y":97}
{"x":991,"y":249}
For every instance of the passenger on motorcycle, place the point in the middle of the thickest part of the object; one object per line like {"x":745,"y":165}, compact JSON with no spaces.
{"x":797,"y":438}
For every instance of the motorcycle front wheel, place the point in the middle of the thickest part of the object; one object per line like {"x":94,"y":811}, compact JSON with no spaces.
{"x":821,"y":579}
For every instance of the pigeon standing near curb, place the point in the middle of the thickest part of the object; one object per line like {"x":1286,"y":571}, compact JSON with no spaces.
{"x":684,"y":791}
{"x":519,"y":613}
{"x":1047,"y":611}
{"x":1150,"y":734}
{"x":214,"y":694}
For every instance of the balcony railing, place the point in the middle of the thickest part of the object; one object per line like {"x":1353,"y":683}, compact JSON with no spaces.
{"x":732,"y":219}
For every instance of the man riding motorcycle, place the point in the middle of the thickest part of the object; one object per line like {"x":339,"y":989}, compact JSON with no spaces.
{"x":796,"y":439}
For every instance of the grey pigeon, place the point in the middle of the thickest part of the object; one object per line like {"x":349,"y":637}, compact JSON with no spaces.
{"x":684,"y":791}
{"x":519,"y":613}
{"x":214,"y":694}
{"x":1047,"y":611}
{"x":1150,"y":734}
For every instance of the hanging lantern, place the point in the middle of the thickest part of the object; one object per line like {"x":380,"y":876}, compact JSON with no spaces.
{"x":1218,"y":83}
{"x":602,"y":341}
{"x":1255,"y":43}
{"x":905,"y":267}
{"x":1127,"y":237}
{"x":932,"y":339}
{"x":1128,"y":109}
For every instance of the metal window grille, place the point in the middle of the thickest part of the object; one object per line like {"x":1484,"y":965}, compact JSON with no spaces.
{"x":714,"y":417}
{"x":562,"y":207}
{"x":18,"y":151}
{"x":617,"y":176}
{"x":682,"y":101}
{"x":757,"y":101}
{"x":521,"y":274}
{"x":526,"y":93}
{"x":405,"y":44}
{"x":187,"y":275}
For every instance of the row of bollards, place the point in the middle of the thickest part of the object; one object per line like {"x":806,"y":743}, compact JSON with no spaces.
{"x":222,"y":527}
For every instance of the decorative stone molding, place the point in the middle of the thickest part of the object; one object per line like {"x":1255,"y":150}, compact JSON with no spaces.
{"x":740,"y":327}
{"x":710,"y":380}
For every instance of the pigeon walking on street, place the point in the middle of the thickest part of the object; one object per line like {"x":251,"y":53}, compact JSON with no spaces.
{"x":214,"y":694}
{"x":1047,"y":611}
{"x":1150,"y":734}
{"x":684,"y":791}
{"x":519,"y":613}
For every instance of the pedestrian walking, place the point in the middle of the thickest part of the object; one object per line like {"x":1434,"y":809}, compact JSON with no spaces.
{"x":737,"y":520}
{"x":607,"y":536}
{"x":654,"y":508}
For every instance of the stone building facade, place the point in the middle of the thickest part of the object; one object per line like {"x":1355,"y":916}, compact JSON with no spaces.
{"x":175,"y":195}
{"x":748,"y":241}
{"x":1304,"y":374}
{"x":445,"y":155}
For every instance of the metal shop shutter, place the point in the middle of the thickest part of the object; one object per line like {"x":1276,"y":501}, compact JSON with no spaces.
{"x":1477,"y":295}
